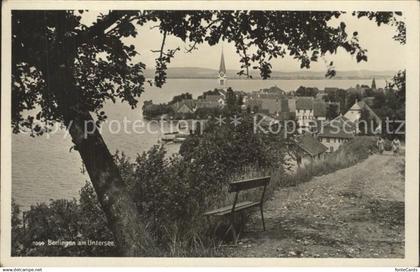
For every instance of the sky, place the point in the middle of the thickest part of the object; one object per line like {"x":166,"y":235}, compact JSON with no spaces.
{"x":383,"y":52}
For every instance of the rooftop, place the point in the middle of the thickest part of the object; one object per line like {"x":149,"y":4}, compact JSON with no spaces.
{"x":304,"y":103}
{"x":320,"y":108}
{"x":332,"y":131}
{"x":310,"y":145}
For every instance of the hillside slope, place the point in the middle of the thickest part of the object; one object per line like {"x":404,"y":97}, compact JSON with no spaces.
{"x":354,"y":212}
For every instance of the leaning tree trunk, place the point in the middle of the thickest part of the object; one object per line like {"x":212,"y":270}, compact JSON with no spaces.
{"x":131,"y":236}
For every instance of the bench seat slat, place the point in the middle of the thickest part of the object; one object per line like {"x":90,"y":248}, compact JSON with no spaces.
{"x":242,"y":185}
{"x":238,"y":207}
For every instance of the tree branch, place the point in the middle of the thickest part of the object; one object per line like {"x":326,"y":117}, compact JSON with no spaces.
{"x":193,"y":47}
{"x":98,"y":28}
{"x":161,"y":47}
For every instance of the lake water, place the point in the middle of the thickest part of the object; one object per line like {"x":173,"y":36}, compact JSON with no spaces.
{"x":43,"y":168}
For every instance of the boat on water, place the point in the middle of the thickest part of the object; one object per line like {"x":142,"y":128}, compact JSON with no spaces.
{"x":169,"y":136}
{"x":175,"y":137}
{"x":180,"y":138}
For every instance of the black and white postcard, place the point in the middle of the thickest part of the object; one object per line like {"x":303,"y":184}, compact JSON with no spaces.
{"x":210,"y":132}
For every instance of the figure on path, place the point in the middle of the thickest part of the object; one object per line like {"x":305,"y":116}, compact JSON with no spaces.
{"x":380,"y":144}
{"x":396,"y":146}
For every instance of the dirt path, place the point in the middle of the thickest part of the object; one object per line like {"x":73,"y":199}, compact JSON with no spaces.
{"x":353,"y":212}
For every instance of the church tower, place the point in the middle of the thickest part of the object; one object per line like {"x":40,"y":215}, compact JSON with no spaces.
{"x":222,"y":71}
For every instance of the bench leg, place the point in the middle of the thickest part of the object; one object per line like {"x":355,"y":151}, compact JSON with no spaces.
{"x":224,"y":235}
{"x":232,"y":225}
{"x":235,"y":238}
{"x":262,"y":217}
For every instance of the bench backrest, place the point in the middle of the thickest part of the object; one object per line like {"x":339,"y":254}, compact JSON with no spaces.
{"x":242,"y":185}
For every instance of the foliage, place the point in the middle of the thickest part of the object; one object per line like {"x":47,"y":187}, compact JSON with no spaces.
{"x":62,"y":220}
{"x":204,"y":113}
{"x":384,"y":18}
{"x":391,"y":105}
{"x":306,"y":91}
{"x":233,"y":103}
{"x":209,"y":92}
{"x":367,"y":124}
{"x":174,"y":192}
{"x":151,"y":111}
{"x":17,"y":230}
{"x":332,"y":111}
{"x":239,"y":145}
{"x":388,"y":104}
{"x":179,"y":98}
{"x":102,"y":69}
{"x":341,"y":98}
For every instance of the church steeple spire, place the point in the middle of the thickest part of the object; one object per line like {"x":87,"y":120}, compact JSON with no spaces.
{"x":222,"y":70}
{"x":222,"y":67}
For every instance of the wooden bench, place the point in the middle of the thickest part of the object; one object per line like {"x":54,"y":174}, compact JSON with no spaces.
{"x":236,"y":187}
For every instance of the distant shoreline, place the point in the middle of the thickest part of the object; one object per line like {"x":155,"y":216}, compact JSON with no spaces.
{"x":206,"y":73}
{"x":291,"y":78}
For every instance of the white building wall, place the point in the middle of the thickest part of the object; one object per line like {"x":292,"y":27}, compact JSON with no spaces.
{"x":353,"y":115}
{"x":304,"y":119}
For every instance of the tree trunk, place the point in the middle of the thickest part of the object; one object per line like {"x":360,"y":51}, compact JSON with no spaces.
{"x":131,"y":236}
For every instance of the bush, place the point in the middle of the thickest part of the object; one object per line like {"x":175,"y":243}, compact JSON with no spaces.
{"x":62,"y":220}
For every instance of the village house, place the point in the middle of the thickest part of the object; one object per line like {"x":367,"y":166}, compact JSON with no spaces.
{"x":291,"y":103}
{"x":266,"y":121}
{"x":326,"y":93}
{"x":253,"y":105}
{"x":336,"y":132}
{"x":364,"y":90}
{"x":185,"y":106}
{"x":309,"y":148}
{"x":216,"y":98}
{"x":355,"y":113}
{"x":272,"y":101}
{"x":189,"y":106}
{"x":207,"y":104}
{"x":308,"y":111}
{"x":273,"y":90}
{"x":270,"y":105}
